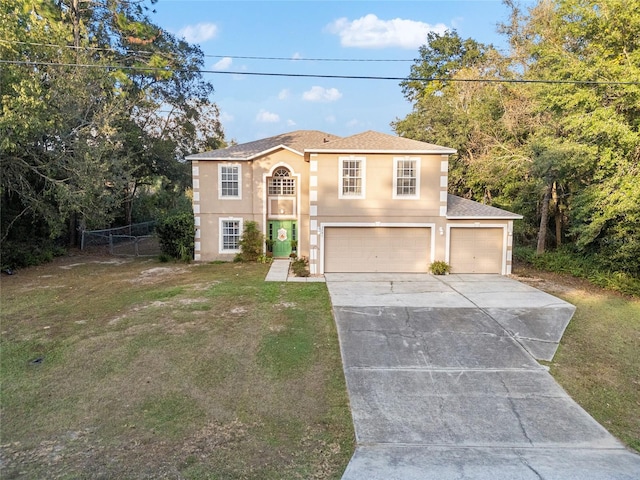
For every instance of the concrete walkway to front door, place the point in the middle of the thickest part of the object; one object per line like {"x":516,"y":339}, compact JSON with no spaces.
{"x":279,"y":270}
{"x":443,"y":382}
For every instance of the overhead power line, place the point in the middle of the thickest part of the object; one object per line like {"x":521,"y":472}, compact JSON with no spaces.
{"x":242,"y":57}
{"x":246,"y":57}
{"x":303,"y":59}
{"x":422,"y":79}
{"x":305,"y":75}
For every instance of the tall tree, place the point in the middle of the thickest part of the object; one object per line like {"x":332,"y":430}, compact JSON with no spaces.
{"x":486,"y":122}
{"x":593,"y":41}
{"x":562,"y":154}
{"x":91,"y":82}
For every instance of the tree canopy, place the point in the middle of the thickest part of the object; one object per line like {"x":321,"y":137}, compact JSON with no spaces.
{"x":565,"y":155}
{"x":96,"y":101}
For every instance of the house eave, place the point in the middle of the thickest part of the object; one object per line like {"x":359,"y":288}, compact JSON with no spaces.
{"x":247,"y":158}
{"x":217,"y":159}
{"x":381,"y":151}
{"x":484,"y":217}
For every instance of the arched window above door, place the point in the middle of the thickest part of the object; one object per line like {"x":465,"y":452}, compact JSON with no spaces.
{"x":281,"y":183}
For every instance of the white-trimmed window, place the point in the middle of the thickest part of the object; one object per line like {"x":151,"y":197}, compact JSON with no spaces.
{"x":229,"y":186}
{"x":406,"y":177}
{"x":281,"y":183}
{"x":230,"y":233}
{"x":352,"y":172}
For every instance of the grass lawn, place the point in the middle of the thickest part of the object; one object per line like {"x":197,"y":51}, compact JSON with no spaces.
{"x":117,"y":368}
{"x":598,"y":361}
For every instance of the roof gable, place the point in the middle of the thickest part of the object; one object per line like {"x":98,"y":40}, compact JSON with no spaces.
{"x":296,"y":142}
{"x":370,"y":141}
{"x":461,"y":208}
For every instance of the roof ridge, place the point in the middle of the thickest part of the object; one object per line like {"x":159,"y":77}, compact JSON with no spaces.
{"x":372,"y":140}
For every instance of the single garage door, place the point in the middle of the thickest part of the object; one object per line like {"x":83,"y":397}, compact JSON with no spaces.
{"x":476,"y":250}
{"x":377,"y":249}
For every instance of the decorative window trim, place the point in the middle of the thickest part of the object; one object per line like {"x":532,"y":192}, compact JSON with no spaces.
{"x":395,"y":194}
{"x":281,"y":183}
{"x":341,"y":177}
{"x":221,"y":234}
{"x":220,"y":192}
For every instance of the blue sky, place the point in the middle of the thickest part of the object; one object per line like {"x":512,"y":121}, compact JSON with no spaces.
{"x":254,"y":107}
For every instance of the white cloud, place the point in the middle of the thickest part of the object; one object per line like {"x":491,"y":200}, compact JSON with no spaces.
{"x":353,"y":123}
{"x":457,"y":22}
{"x":291,"y":123}
{"x":296,"y":56}
{"x":226,"y":117}
{"x":223,"y":64}
{"x":284,"y":94}
{"x":321,"y":94}
{"x":330,"y":119}
{"x":267,"y":117}
{"x":198,"y":33}
{"x":371,"y":32}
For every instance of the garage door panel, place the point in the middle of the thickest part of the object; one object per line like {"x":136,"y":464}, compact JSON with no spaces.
{"x":376,"y":249}
{"x":476,"y":250}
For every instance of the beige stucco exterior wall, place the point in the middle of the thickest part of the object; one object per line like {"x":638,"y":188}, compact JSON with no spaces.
{"x":209,"y":209}
{"x":263,"y":168}
{"x":318,"y":202}
{"x":379,"y":204}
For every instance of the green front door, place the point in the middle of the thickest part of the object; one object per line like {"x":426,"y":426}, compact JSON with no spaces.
{"x":282,"y":232}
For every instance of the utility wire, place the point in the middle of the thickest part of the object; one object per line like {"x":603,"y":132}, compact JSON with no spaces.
{"x":241,"y":57}
{"x":514,"y":58}
{"x":290,"y":59}
{"x":304,"y":75}
{"x":422,"y":79}
{"x":303,"y":59}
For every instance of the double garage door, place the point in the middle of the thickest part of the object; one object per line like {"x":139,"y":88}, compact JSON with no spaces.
{"x":377,"y":249}
{"x":408,"y":249}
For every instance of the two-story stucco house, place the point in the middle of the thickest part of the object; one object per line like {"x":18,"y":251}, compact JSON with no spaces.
{"x":370,"y":202}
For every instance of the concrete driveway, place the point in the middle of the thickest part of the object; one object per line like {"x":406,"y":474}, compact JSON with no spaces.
{"x":444,"y":384}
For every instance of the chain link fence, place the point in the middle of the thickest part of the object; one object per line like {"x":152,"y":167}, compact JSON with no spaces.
{"x":136,"y":240}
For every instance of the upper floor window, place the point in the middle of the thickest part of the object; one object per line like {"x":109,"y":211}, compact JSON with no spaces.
{"x":352,"y":177}
{"x":406,"y":177}
{"x":229,"y":181}
{"x":281,"y":183}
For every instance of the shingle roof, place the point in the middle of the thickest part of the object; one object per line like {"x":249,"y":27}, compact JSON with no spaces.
{"x":458,"y":207}
{"x":371,"y":141}
{"x":296,"y":141}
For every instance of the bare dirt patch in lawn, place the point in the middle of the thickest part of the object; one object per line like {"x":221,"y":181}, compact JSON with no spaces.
{"x":152,"y":275}
{"x":285,"y":305}
{"x":159,"y":304}
{"x":151,"y":370}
